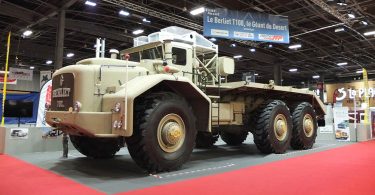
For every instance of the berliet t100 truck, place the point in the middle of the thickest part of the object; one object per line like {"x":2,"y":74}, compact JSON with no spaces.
{"x":170,"y":93}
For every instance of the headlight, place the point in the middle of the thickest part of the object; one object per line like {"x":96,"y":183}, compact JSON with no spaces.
{"x":77,"y":106}
{"x":115,"y":124}
{"x":119,"y":125}
{"x":117,"y":107}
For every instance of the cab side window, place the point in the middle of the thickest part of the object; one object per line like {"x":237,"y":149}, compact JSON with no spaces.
{"x":179,"y":56}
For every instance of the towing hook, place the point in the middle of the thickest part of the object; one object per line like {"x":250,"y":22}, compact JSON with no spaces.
{"x":56,"y":120}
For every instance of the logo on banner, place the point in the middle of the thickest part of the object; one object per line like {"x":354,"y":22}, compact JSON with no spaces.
{"x":341,"y":94}
{"x":266,"y":37}
{"x":45,"y":76}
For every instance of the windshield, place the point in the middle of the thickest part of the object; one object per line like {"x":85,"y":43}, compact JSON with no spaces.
{"x":152,"y":54}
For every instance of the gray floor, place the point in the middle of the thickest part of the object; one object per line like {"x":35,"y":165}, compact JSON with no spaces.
{"x":122,"y":174}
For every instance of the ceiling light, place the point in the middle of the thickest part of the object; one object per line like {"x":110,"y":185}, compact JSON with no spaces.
{"x":293,"y":70}
{"x":124,"y":13}
{"x":270,"y":46}
{"x":339,"y":29}
{"x":342,"y":63}
{"x":233,"y":45}
{"x":237,"y":56}
{"x":145,"y":20}
{"x":90,"y":3}
{"x":256,"y":74}
{"x":27,"y":33}
{"x":316,"y":77}
{"x":212,"y":39}
{"x":114,"y":51}
{"x":197,"y":11}
{"x":69,"y":55}
{"x":369,"y":33}
{"x":49,"y":62}
{"x":32,"y":67}
{"x":352,"y":16}
{"x":342,"y":4}
{"x":296,"y":46}
{"x":258,"y":9}
{"x":364,"y":23}
{"x":359,"y":71}
{"x":137,"y":32}
{"x":252,"y":50}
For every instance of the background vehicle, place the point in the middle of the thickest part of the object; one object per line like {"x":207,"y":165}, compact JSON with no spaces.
{"x":343,"y":125}
{"x":170,"y":93}
{"x":341,"y":135}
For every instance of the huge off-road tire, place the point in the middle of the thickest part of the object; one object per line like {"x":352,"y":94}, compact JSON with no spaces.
{"x":233,"y":138}
{"x":205,"y":139}
{"x":164,"y":133}
{"x":96,"y":147}
{"x":273,"y":128}
{"x":304,"y":126}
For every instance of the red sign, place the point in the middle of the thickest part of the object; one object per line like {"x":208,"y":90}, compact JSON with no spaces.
{"x":9,"y":81}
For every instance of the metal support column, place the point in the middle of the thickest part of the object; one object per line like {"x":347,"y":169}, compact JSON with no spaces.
{"x":59,"y":50}
{"x":277,"y":76}
{"x":321,"y":92}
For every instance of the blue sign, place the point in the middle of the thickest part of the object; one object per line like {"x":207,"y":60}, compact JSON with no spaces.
{"x":230,"y":24}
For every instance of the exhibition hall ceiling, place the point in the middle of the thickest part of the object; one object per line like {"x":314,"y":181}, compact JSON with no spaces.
{"x":331,"y":33}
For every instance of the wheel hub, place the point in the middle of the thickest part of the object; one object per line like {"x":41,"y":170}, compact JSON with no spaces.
{"x":308,"y":125}
{"x":171,"y":133}
{"x":280,"y":127}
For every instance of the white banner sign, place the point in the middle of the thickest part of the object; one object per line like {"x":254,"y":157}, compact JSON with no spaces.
{"x":21,"y":74}
{"x":45,"y":76}
{"x":326,"y":129}
{"x":44,"y":103}
{"x":341,"y":125}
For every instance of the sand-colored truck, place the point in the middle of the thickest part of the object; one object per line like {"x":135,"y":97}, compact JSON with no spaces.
{"x":168,"y":94}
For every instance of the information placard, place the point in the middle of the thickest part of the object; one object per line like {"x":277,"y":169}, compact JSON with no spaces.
{"x":253,"y":26}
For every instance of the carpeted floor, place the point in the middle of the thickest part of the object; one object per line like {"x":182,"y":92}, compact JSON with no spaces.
{"x":18,"y":177}
{"x":346,"y":170}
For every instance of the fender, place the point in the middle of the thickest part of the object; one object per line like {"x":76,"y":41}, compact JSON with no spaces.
{"x":200,"y":102}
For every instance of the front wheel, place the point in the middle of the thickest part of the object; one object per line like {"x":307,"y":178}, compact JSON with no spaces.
{"x":164,"y":133}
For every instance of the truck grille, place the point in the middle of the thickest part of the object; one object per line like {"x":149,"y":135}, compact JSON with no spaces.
{"x":62,"y":92}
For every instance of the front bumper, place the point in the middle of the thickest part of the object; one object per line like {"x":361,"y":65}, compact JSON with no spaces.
{"x":81,"y":123}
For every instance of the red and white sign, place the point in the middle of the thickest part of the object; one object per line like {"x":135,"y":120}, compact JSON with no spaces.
{"x":21,"y":74}
{"x":9,"y":81}
{"x":267,"y":37}
{"x":44,"y":103}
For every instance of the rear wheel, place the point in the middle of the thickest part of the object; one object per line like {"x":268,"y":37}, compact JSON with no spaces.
{"x":304,"y":126}
{"x":96,"y":147}
{"x":233,"y":138}
{"x":273,"y":127}
{"x":164,"y":132}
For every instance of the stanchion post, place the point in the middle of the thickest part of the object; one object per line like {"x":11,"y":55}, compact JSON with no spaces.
{"x":5,"y":79}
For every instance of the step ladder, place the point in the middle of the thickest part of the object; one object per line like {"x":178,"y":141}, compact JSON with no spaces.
{"x":215,"y":110}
